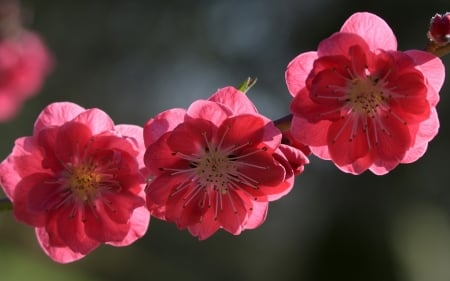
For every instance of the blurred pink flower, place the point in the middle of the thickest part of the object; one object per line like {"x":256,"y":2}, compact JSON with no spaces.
{"x":77,"y":181}
{"x":216,"y":165}
{"x":24,"y":64}
{"x":361,"y":103}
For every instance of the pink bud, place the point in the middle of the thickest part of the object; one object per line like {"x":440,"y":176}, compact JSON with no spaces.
{"x":439,"y":30}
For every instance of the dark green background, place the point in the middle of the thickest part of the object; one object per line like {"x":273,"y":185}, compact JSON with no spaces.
{"x":134,"y":59}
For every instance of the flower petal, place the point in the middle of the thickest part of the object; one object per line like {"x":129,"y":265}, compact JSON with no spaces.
{"x":58,"y":254}
{"x":298,"y":70}
{"x":375,"y":31}
{"x":56,"y":114}
{"x":162,"y":123}
{"x":234,"y":99}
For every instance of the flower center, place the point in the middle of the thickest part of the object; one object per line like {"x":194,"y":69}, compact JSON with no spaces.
{"x":365,"y":96}
{"x":215,"y":168}
{"x":83,"y":181}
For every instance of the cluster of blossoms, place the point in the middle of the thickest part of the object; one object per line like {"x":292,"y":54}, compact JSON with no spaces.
{"x":82,"y":181}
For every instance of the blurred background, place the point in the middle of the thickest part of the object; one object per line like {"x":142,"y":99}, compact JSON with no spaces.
{"x":136,"y":58}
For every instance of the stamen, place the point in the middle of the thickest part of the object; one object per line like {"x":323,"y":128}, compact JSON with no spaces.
{"x":244,"y":155}
{"x":366,"y":131}
{"x":192,"y":194}
{"x":180,"y":171}
{"x":233,"y":148}
{"x":240,"y":163}
{"x":219,"y":145}
{"x":209,"y":145}
{"x":180,"y":187}
{"x":232,"y":202}
{"x":347,"y":121}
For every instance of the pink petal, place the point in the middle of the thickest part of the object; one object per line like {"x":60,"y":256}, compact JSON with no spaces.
{"x":345,"y":149}
{"x":23,"y":196}
{"x":433,"y":70}
{"x":314,"y":134}
{"x":248,"y":128}
{"x":268,"y":174}
{"x":206,"y":227}
{"x":71,"y":230}
{"x":234,"y":99}
{"x":71,"y":142}
{"x":393,"y":145}
{"x":184,"y":208}
{"x":208,"y":110}
{"x":25,"y":159}
{"x":159,"y":156}
{"x":118,"y":206}
{"x":339,"y":44}
{"x":97,"y":120}
{"x":100,"y":226}
{"x":162,"y":123}
{"x":161,"y":187}
{"x":191,"y":136}
{"x":360,"y":165}
{"x":58,"y":254}
{"x":298,"y":70}
{"x":134,"y":134}
{"x":56,"y":114}
{"x":257,"y":214}
{"x":139,"y":222}
{"x":241,"y":129}
{"x":233,"y":212}
{"x":373,"y":29}
{"x":426,"y":132}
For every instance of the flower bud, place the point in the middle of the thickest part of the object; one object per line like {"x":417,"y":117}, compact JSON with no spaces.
{"x":439,"y":31}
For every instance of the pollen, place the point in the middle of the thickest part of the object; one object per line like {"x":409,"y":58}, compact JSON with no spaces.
{"x":83,"y":181}
{"x":366,"y":96}
{"x":214,"y":169}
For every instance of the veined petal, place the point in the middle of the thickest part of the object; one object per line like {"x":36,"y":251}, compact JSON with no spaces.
{"x":234,"y":99}
{"x":313,"y":134}
{"x":190,"y":137}
{"x":234,"y":212}
{"x":159,"y":156}
{"x":257,"y":214}
{"x":298,"y":70}
{"x":71,"y":230}
{"x":56,"y":114}
{"x":339,"y":44}
{"x":424,"y":133}
{"x":97,"y":120}
{"x":139,"y":222}
{"x":162,"y":123}
{"x":206,"y":227}
{"x":373,"y":29}
{"x":61,"y":254}
{"x":216,"y":113}
{"x":433,"y":69}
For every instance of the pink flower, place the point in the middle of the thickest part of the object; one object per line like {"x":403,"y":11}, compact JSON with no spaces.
{"x":439,"y":30}
{"x":361,"y":103}
{"x":24,"y":65}
{"x":77,"y":181}
{"x":216,"y":165}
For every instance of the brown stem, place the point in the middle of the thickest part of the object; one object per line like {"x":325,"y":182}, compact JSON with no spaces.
{"x":438,"y":50}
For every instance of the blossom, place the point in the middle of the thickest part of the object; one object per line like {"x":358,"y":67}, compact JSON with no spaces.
{"x":439,"y":30}
{"x":216,"y":165}
{"x":361,"y":103}
{"x":24,"y":61}
{"x":78,"y":180}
